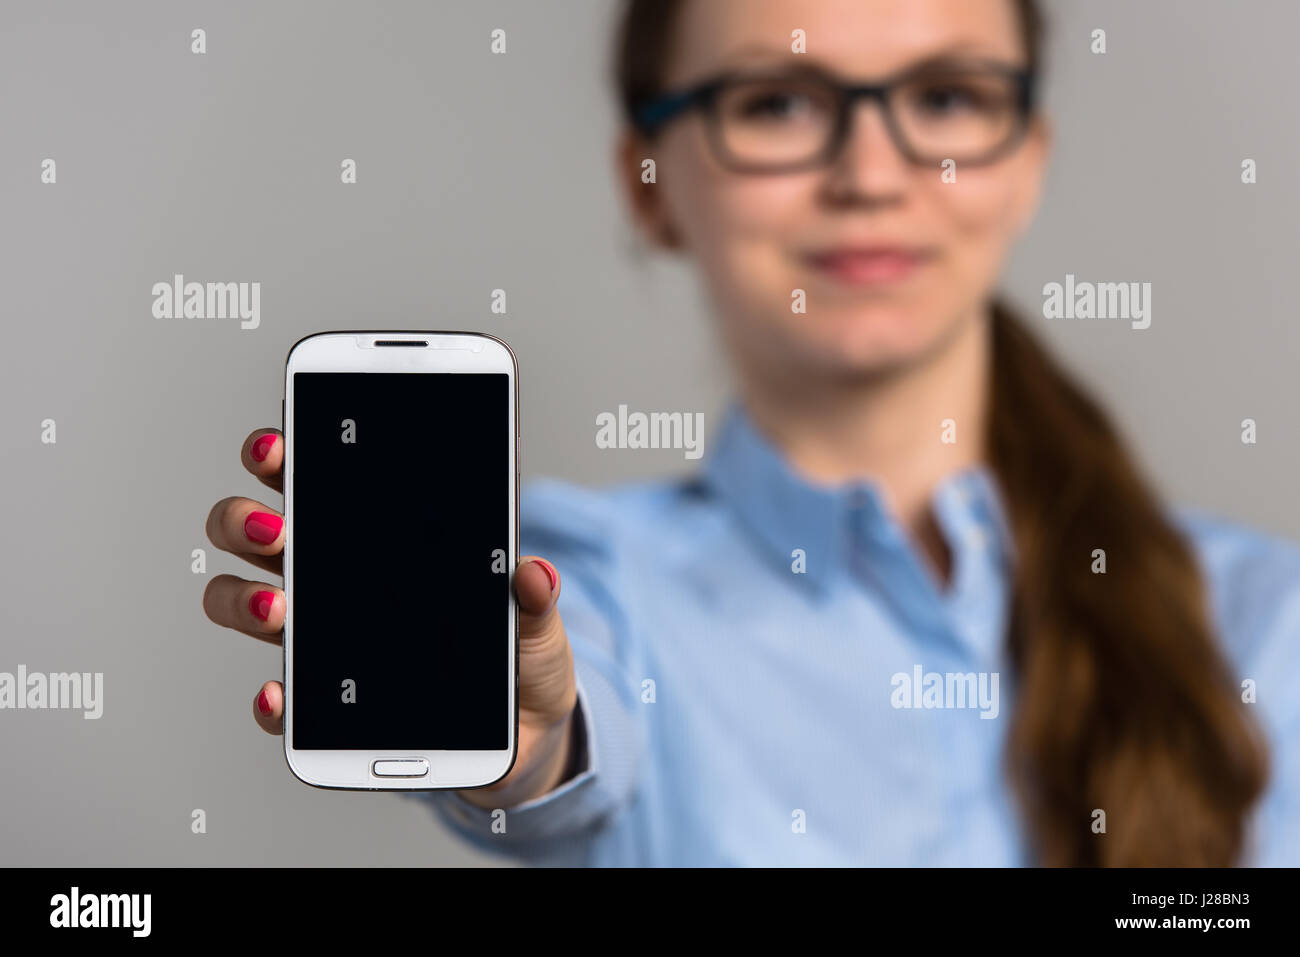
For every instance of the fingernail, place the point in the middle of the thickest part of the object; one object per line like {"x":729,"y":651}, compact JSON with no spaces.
{"x":262,"y":447}
{"x":550,"y":572}
{"x":263,"y":527}
{"x":260,"y":604}
{"x":263,"y":702}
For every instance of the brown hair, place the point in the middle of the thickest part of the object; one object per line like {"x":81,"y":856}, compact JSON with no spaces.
{"x":1124,"y":701}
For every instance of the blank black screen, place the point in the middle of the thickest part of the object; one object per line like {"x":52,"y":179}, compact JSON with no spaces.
{"x":395,"y":587}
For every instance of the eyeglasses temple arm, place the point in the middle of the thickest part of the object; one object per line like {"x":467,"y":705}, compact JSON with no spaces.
{"x":654,"y":114}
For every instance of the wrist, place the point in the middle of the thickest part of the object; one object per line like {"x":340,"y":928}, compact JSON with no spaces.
{"x":554,"y":753}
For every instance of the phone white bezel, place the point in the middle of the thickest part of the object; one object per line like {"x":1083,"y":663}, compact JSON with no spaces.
{"x":446,"y":352}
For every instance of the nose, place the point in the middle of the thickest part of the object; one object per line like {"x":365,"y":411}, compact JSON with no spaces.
{"x":869,"y":161}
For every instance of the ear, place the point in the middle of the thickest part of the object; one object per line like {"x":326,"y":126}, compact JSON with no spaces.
{"x":1037,"y":151}
{"x":644,"y":200}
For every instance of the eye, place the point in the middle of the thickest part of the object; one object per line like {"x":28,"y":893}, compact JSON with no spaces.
{"x":944,"y":99}
{"x":780,"y":101}
{"x":940,"y":98}
{"x":775,"y":104}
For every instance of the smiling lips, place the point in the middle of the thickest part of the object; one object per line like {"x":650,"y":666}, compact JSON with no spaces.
{"x":861,"y":265}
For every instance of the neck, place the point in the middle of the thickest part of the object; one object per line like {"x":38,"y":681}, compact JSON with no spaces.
{"x":889,"y":428}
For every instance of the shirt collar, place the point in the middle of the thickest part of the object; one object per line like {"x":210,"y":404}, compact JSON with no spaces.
{"x":786,"y":512}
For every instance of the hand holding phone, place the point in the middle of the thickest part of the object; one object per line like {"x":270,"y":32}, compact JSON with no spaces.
{"x":545,"y":689}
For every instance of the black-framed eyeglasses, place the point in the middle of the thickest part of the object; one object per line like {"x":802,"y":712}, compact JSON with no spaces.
{"x":798,"y":118}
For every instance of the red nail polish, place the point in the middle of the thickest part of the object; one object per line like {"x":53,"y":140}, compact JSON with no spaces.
{"x":260,"y":604}
{"x":263,"y":703}
{"x":263,"y":527}
{"x":550,"y":572}
{"x":262,"y":447}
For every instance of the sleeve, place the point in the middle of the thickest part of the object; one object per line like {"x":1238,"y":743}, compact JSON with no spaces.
{"x":1274,"y":666}
{"x":572,"y":528}
{"x":1256,"y":592}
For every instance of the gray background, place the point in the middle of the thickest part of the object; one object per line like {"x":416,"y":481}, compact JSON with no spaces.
{"x":475,"y":172}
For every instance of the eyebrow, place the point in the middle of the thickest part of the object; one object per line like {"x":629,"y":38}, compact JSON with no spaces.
{"x":955,"y":53}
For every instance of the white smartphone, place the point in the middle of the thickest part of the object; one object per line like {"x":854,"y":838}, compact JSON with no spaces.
{"x":401,"y":495}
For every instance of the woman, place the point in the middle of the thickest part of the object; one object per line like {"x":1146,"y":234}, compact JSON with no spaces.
{"x":919,"y":606}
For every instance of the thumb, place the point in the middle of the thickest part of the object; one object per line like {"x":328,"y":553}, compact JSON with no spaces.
{"x":537,"y":586}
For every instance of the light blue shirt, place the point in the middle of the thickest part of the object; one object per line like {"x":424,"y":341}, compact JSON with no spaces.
{"x":746,"y":645}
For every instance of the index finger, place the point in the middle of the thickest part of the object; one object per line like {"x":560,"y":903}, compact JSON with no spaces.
{"x":263,"y":455}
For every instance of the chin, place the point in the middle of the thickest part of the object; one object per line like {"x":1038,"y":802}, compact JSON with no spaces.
{"x":868,"y":340}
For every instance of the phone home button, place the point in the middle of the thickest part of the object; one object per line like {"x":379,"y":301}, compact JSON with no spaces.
{"x":405,"y":768}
